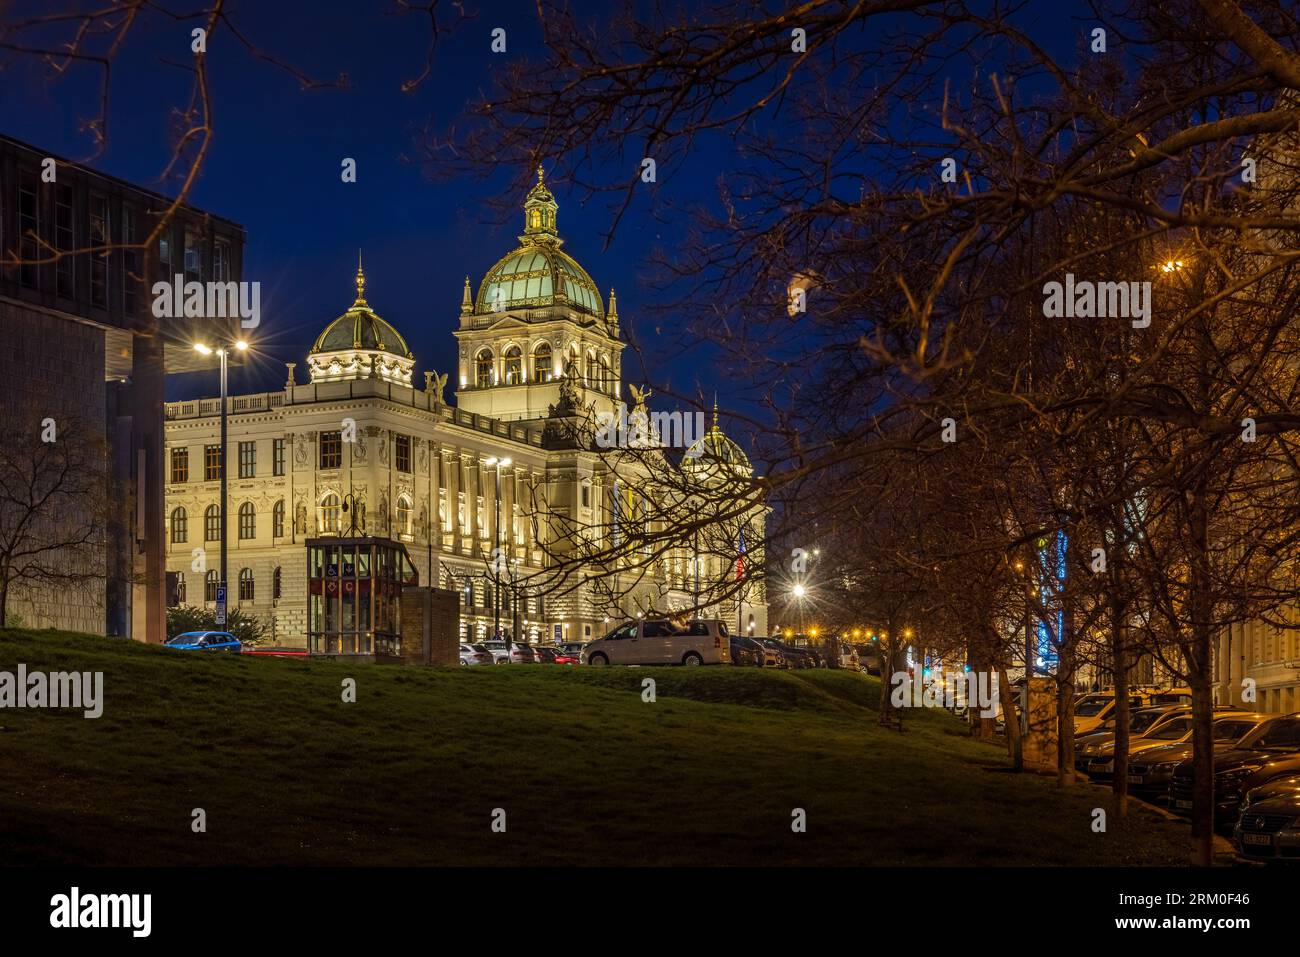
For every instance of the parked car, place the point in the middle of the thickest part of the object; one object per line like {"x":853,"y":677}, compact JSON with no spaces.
{"x":518,"y":654}
{"x":849,"y":657}
{"x":772,"y":657}
{"x":562,"y":657}
{"x":1270,"y":751}
{"x":1149,"y":774}
{"x":1175,"y":728}
{"x":796,"y":657}
{"x":1093,"y":709}
{"x":469,"y":655}
{"x":205,"y":641}
{"x":545,"y":656}
{"x":788,"y":657}
{"x":572,"y":648}
{"x":661,"y":641}
{"x":1269,"y":826}
{"x":746,"y":651}
{"x":1089,"y":744}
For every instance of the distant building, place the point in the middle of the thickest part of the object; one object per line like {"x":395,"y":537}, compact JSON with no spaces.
{"x":78,"y":338}
{"x":536,"y":345}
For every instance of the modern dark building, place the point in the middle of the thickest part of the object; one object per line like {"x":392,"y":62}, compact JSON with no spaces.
{"x":79,"y":339}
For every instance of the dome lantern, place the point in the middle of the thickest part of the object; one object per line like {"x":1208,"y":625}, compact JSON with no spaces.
{"x":360,"y":345}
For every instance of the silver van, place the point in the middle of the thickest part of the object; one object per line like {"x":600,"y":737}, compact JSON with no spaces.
{"x":660,"y":641}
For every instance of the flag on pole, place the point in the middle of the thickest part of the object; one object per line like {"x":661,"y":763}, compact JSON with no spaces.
{"x":740,"y":557}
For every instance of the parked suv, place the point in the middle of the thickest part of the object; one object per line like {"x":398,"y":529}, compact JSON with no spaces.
{"x":661,"y":641}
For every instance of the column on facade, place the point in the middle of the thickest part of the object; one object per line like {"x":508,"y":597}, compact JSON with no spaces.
{"x":508,"y":510}
{"x":454,"y":486}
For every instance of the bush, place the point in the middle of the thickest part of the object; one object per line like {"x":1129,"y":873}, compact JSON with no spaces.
{"x":247,"y":628}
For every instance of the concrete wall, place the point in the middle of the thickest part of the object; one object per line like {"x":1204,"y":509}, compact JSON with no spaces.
{"x":38,"y":380}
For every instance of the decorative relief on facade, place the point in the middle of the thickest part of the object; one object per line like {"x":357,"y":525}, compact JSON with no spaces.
{"x":300,"y":451}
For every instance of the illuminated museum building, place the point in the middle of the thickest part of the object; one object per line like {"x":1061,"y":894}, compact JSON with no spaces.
{"x":426,"y":473}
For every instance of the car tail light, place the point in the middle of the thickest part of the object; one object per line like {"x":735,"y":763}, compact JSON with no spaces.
{"x":717,"y":642}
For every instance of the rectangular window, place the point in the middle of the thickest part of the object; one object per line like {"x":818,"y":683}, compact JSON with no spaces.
{"x":29,"y":228}
{"x":331,"y":450}
{"x":193,"y":257}
{"x":402,"y":453}
{"x":64,"y":242}
{"x":247,"y":460}
{"x":130,"y":259}
{"x":211,"y":463}
{"x":277,"y":457}
{"x":180,"y":465}
{"x":221,"y":260}
{"x":99,"y":239}
{"x":165,"y":257}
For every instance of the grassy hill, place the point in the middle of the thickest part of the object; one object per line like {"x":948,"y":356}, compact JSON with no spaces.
{"x":586,"y":771}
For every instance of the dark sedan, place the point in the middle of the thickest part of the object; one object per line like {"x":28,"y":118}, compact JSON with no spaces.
{"x":746,"y":651}
{"x":1269,"y":827}
{"x":1271,"y":751}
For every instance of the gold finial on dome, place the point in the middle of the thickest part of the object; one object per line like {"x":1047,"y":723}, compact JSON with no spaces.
{"x":541,"y":174}
{"x":361,"y":282}
{"x":715,"y":410}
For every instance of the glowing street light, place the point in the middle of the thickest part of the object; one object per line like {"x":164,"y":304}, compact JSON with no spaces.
{"x":202,"y":348}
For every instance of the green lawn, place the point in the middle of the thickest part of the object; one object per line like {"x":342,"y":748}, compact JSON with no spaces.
{"x":586,"y":772}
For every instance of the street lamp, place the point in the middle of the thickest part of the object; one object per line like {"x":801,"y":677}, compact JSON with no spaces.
{"x":206,"y":350}
{"x":496,"y":557}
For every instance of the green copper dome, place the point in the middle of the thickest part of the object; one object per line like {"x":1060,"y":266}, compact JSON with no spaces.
{"x":361,"y":328}
{"x":715,"y":449}
{"x":538,"y":273}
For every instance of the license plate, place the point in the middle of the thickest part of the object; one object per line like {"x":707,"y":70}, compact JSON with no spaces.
{"x":1265,"y":839}
{"x":1183,"y":804}
{"x":1135,"y":779}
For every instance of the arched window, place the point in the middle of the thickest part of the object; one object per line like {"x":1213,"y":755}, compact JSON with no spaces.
{"x":403,"y":515}
{"x":180,"y":588}
{"x":245,"y":584}
{"x":211,"y":523}
{"x":329,"y":513}
{"x":606,"y":379}
{"x":275,"y":584}
{"x":277,"y":519}
{"x":591,"y":370}
{"x":210,"y":583}
{"x":247,"y":521}
{"x":180,"y":525}
{"x":514,"y":363}
{"x":483,"y":368}
{"x":542,"y":363}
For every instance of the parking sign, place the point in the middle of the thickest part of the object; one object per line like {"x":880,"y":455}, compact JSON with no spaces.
{"x":221,"y":606}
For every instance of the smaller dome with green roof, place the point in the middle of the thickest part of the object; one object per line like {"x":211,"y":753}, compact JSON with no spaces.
{"x":360,"y":345}
{"x":715,"y":455}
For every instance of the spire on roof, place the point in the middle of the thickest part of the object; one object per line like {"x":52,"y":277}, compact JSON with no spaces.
{"x":361,"y":282}
{"x":466,"y":299}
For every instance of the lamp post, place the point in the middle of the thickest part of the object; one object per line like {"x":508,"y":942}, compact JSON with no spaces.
{"x":496,"y":556}
{"x":204,"y":349}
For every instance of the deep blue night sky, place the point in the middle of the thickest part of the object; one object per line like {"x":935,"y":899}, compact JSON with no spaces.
{"x":275,"y":163}
{"x":275,"y":166}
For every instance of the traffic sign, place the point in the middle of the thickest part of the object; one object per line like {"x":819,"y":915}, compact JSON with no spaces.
{"x":221,"y":605}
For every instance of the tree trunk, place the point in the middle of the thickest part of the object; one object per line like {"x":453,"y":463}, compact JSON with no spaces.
{"x":1198,"y":666}
{"x":1119,"y":646}
{"x":1065,"y":721}
{"x":1015,"y":745}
